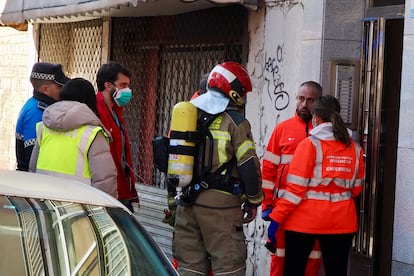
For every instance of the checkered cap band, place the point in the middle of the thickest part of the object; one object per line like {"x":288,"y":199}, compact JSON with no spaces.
{"x":43,"y":76}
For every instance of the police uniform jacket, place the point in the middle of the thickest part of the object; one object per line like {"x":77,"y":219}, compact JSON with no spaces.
{"x":30,"y":114}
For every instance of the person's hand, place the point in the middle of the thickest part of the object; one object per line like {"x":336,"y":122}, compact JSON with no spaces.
{"x":170,"y":212}
{"x":266,"y":212}
{"x":271,"y":235}
{"x":249,"y":213}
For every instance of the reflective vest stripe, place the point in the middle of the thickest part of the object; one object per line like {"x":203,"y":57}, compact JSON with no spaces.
{"x":341,"y":182}
{"x":286,"y":159}
{"x":280,"y":252}
{"x":317,"y":180}
{"x":275,"y":159}
{"x":359,"y":182}
{"x":243,"y":148}
{"x":291,"y":197}
{"x":315,"y":254}
{"x":271,"y":157}
{"x":278,"y":193}
{"x":222,"y":137}
{"x":297,"y":180}
{"x":332,"y":197}
{"x":82,"y":168}
{"x":267,"y":184}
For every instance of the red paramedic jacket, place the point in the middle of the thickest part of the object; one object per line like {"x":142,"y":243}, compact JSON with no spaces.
{"x":279,"y":151}
{"x":324,"y":178}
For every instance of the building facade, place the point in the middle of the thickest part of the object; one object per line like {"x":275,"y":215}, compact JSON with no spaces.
{"x":358,"y":50}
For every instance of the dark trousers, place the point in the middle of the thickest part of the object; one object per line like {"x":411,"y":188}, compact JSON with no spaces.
{"x":127,"y":204}
{"x":334,"y":247}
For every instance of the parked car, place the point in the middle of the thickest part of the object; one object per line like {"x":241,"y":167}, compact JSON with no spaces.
{"x":54,"y":226}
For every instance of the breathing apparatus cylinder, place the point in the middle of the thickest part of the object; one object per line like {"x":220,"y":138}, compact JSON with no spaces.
{"x":181,"y":149}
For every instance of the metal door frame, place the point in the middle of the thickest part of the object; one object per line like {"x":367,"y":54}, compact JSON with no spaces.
{"x":369,"y":257}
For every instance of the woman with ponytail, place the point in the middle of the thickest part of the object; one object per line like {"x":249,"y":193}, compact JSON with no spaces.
{"x":325,"y":175}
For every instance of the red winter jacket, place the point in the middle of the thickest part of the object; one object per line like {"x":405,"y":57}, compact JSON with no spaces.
{"x":279,"y":151}
{"x":126,"y":178}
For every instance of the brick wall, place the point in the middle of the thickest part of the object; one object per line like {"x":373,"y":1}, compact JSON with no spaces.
{"x":16,"y":59}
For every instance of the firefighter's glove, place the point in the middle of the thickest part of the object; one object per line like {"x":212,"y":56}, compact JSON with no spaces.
{"x":265,"y":214}
{"x":271,"y":235}
{"x":170,"y":212}
{"x":249,"y":212}
{"x":169,"y":217}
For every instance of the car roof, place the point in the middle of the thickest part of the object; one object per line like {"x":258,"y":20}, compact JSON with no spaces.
{"x":35,"y":185}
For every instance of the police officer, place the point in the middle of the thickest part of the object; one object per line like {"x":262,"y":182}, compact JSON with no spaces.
{"x":210,"y":230}
{"x":47,"y":80}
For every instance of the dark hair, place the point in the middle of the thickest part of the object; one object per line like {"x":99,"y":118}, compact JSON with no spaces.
{"x":202,"y":86}
{"x":327,"y":108}
{"x":109,"y":73}
{"x":314,"y":85}
{"x":80,"y":90}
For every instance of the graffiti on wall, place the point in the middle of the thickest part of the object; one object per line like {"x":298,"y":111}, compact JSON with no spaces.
{"x":274,"y":84}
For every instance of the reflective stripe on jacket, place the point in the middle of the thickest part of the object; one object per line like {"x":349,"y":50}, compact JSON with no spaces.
{"x":323,"y":179}
{"x":232,"y":136}
{"x":55,"y":159}
{"x":279,"y":152}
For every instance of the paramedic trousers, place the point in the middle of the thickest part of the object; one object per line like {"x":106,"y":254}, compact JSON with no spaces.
{"x":335,"y":252}
{"x":277,"y":263}
{"x":205,"y":234}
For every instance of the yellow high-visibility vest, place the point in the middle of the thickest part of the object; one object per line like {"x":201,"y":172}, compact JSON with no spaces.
{"x":66,"y":153}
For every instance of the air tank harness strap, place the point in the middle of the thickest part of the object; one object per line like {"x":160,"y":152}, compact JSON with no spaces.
{"x":218,"y":181}
{"x":189,"y":136}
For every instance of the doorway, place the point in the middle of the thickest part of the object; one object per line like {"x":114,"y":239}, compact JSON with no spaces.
{"x":378,"y":132}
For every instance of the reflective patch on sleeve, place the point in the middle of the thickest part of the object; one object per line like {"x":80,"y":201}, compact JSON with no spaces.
{"x":244,"y":148}
{"x":291,"y":197}
{"x":271,"y":157}
{"x":266,"y":184}
{"x":297,"y":180}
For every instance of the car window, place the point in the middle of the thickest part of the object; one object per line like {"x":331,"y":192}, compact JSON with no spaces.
{"x":48,"y":237}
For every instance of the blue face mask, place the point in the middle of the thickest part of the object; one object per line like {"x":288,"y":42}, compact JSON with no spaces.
{"x":122,"y":96}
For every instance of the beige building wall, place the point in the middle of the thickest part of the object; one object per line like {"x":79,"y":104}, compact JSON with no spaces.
{"x":16,"y":60}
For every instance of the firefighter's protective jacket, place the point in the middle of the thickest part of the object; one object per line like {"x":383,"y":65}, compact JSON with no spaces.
{"x":282,"y":144}
{"x":232,"y":137}
{"x":324,"y":177}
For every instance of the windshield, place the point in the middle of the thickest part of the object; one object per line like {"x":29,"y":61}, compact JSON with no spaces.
{"x":47,"y":237}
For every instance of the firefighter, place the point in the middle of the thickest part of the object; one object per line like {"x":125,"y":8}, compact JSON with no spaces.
{"x":279,"y":151}
{"x":209,"y":230}
{"x":325,"y":175}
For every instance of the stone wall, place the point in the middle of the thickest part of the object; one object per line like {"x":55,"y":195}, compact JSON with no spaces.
{"x":16,"y":59}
